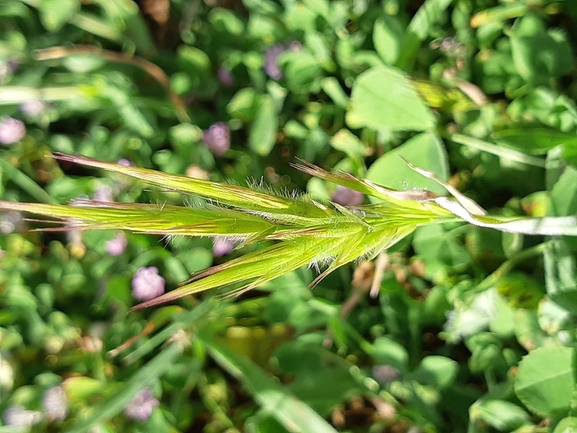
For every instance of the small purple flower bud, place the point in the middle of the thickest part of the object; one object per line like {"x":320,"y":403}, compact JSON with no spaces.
{"x":19,"y":416}
{"x":225,"y":77}
{"x":447,"y":44}
{"x":271,"y":65}
{"x":125,"y":162}
{"x":55,"y":403}
{"x":347,"y":197}
{"x":147,"y":284}
{"x":32,"y":108}
{"x":13,"y":65}
{"x":385,"y":374}
{"x":222,"y":247}
{"x":11,"y":130}
{"x":141,"y":406}
{"x":117,"y":245}
{"x":217,"y":138}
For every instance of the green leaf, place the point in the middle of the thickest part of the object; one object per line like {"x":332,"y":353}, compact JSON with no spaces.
{"x":502,"y":415}
{"x":389,"y":352}
{"x":503,"y":152}
{"x":275,"y":398}
{"x":80,"y":388}
{"x":546,"y":380}
{"x":196,"y":64}
{"x":564,"y":193}
{"x":243,"y":104}
{"x":566,"y":425}
{"x":23,"y":181}
{"x":437,"y":371}
{"x":318,"y":381}
{"x":560,"y":274}
{"x":427,"y":16}
{"x":534,"y":141}
{"x":301,"y":69}
{"x":349,"y":144}
{"x":539,"y":55}
{"x":225,"y":20}
{"x":54,"y":14}
{"x":262,"y":136}
{"x":421,"y":26}
{"x":527,"y":330}
{"x":495,"y":16}
{"x":560,"y":263}
{"x":383,"y":97}
{"x":439,"y":250}
{"x":425,"y":151}
{"x":145,"y":377}
{"x":387,"y":38}
{"x":332,"y":87}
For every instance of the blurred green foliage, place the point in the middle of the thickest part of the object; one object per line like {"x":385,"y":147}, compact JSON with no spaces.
{"x":472,"y":331}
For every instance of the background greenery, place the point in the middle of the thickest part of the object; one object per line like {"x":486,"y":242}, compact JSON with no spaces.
{"x":472,"y":330}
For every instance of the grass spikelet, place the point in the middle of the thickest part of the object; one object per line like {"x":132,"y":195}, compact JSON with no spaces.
{"x":304,"y":232}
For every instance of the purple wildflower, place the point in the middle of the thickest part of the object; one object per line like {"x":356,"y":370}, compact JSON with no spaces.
{"x":217,"y":138}
{"x":141,"y":406}
{"x":55,"y":403}
{"x":32,"y":108}
{"x":347,"y":197}
{"x":385,"y":374}
{"x":271,"y":55}
{"x":19,"y":416}
{"x":225,"y":77}
{"x":13,"y":65}
{"x":452,"y":47}
{"x":117,"y":245}
{"x":7,"y":69}
{"x":11,"y":130}
{"x":221,"y":247}
{"x":147,"y":284}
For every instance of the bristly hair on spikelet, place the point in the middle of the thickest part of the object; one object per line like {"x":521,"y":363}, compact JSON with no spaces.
{"x":304,"y":231}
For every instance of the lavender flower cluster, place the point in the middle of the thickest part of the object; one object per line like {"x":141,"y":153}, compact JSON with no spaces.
{"x":141,"y":406}
{"x":11,"y":130}
{"x":147,"y":284}
{"x":217,"y":138}
{"x":55,"y":409}
{"x":54,"y":405}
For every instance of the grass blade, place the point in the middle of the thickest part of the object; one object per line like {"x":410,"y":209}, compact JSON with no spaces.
{"x":273,"y":397}
{"x":142,"y":379}
{"x":503,"y":152}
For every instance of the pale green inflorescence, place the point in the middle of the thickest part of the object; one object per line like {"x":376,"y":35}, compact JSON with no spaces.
{"x":306,"y":232}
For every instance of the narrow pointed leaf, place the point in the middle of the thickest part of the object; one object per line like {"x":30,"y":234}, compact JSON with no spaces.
{"x":292,"y":413}
{"x":145,"y":377}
